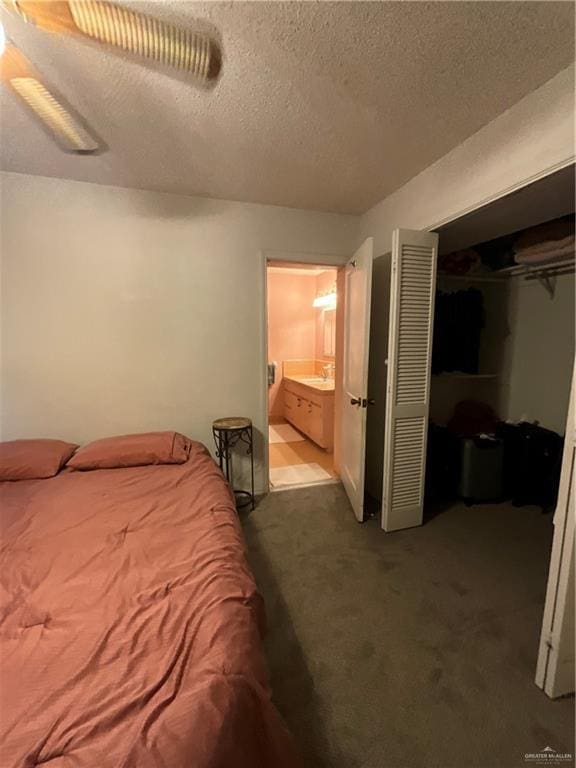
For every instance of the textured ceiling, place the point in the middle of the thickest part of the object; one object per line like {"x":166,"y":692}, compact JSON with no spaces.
{"x":327,"y":106}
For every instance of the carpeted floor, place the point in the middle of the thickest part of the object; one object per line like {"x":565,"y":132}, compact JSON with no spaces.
{"x":412,"y":649}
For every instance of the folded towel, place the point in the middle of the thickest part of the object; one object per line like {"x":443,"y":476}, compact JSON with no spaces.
{"x":564,"y":249}
{"x":549,"y":232}
{"x":546,"y":246}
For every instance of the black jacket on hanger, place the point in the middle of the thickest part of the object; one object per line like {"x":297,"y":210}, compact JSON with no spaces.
{"x":458,"y":323}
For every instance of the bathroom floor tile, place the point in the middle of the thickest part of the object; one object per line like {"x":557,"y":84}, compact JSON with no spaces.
{"x":301,"y":452}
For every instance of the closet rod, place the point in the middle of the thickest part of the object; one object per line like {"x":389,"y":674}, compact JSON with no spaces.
{"x":551,"y":273}
{"x":523,"y":270}
{"x":528,"y":271}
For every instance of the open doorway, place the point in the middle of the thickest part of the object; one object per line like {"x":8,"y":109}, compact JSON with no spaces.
{"x":500,"y":438}
{"x":302,"y":360}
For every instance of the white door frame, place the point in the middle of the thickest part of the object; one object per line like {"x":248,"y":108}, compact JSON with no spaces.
{"x":328,"y":260}
{"x":489,"y":199}
{"x":264,"y":370}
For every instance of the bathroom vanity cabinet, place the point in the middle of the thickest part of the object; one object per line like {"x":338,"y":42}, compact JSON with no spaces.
{"x":309,"y":406}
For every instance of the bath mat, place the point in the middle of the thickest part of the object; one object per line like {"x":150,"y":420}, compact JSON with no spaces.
{"x":298,"y":474}
{"x":284,"y":433}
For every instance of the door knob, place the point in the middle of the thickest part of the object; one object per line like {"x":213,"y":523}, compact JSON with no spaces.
{"x":355,"y":401}
{"x":369,"y":401}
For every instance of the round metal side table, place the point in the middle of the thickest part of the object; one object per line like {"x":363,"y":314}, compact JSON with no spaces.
{"x":229,"y":433}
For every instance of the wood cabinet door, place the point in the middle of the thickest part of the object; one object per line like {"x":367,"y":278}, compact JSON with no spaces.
{"x":315,"y":423}
{"x":301,"y":413}
{"x":290,"y":406}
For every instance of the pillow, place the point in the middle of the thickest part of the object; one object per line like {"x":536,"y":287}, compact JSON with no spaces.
{"x":33,"y":459}
{"x":132,"y":451}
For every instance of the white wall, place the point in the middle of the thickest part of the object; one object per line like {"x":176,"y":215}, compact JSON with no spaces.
{"x":538,"y":370}
{"x":532,"y":139}
{"x":125,"y":310}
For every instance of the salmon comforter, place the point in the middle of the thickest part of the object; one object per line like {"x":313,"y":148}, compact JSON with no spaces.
{"x":130,"y":624}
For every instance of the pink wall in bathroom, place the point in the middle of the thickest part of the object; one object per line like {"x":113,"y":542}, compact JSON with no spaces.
{"x":291,"y":326}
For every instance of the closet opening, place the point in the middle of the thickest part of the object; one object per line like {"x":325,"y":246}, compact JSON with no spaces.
{"x":303,"y":355}
{"x":479,"y":436}
{"x":503,"y":354}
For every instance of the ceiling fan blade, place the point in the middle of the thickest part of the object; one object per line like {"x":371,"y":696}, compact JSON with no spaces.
{"x":66,"y":128}
{"x":164,"y":44}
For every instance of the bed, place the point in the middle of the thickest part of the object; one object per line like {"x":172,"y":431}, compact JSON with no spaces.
{"x":130,"y":624}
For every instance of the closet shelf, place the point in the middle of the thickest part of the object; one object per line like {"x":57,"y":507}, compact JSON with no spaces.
{"x":473,"y":278}
{"x":556,"y":268}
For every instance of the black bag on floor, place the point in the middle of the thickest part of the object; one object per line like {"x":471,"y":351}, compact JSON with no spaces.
{"x":532,"y":462}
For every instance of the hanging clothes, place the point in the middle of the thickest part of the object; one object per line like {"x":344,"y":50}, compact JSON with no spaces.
{"x":458,"y":323}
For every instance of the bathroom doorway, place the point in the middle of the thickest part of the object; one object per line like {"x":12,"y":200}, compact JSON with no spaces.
{"x":302,"y":302}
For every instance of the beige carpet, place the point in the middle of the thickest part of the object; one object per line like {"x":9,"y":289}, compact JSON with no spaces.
{"x":408,"y":650}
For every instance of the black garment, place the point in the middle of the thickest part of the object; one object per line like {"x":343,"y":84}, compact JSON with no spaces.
{"x":458,"y":323}
{"x":532,"y":464}
{"x":442,"y":464}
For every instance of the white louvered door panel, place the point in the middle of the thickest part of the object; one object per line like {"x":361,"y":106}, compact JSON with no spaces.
{"x":555,"y":668}
{"x":413,"y":287}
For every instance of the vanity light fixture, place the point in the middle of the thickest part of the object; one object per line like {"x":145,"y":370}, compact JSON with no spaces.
{"x":325,"y":301}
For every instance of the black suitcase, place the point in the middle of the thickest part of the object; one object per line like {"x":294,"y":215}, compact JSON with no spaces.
{"x":481,"y":474}
{"x":532,"y":462}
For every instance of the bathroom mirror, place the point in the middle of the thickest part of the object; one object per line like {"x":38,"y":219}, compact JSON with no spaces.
{"x":329,"y":332}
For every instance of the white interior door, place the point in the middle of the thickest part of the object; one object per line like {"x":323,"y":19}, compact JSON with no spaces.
{"x":555,"y":669}
{"x":357,"y":294}
{"x":412,"y":292}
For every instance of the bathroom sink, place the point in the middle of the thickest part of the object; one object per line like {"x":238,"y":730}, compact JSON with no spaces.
{"x":326,"y":385}
{"x":316,"y":382}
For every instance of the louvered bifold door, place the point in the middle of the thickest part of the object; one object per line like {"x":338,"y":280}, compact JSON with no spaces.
{"x":413,"y":287}
{"x":555,"y":670}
